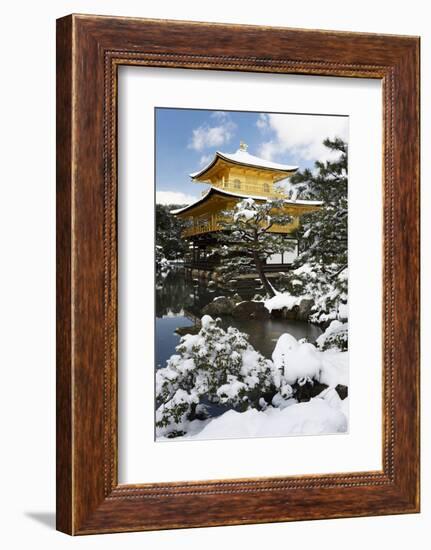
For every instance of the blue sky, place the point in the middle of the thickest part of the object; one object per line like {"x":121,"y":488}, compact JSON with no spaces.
{"x":186,"y":140}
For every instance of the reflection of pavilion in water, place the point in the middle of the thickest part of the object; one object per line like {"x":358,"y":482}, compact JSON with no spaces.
{"x":179,"y":296}
{"x":179,"y":303}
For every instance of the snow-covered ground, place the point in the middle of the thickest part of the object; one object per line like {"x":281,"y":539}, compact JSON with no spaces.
{"x":293,"y":362}
{"x":335,"y":368}
{"x":322,"y":415}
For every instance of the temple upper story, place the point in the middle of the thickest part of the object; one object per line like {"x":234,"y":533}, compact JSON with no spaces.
{"x":245,"y":174}
{"x":233,"y":177}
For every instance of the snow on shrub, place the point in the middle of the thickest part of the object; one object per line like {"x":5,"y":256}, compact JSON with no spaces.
{"x":161,"y":262}
{"x":296,"y":360}
{"x":299,"y":362}
{"x":216,"y":364}
{"x":176,"y":410}
{"x":334,"y":337}
{"x":311,"y":280}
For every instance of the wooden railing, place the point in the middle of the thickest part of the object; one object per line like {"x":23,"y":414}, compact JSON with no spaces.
{"x":200,"y":229}
{"x":214,"y":225}
{"x":251,"y":188}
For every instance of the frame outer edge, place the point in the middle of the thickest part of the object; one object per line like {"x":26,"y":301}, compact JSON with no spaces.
{"x":407,"y":271}
{"x":81,"y":508}
{"x":64,"y":367}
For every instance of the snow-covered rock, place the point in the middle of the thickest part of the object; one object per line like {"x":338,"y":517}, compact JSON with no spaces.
{"x":285,"y":344}
{"x":221,"y":305}
{"x":298,"y":360}
{"x":291,"y":307}
{"x":282,"y":300}
{"x":304,"y":309}
{"x":302,"y":362}
{"x":250,"y":310}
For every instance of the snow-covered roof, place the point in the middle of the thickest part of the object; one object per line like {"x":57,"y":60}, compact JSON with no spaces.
{"x":212,"y":190}
{"x":242,"y":157}
{"x":201,"y":199}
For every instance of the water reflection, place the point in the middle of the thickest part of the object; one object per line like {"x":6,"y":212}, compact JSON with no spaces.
{"x":179,"y":301}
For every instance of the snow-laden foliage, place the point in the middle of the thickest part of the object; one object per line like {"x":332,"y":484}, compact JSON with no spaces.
{"x":334,"y":337}
{"x":320,"y":269}
{"x":247,"y":240}
{"x":219,"y":366}
{"x":161,"y":261}
{"x":216,"y":364}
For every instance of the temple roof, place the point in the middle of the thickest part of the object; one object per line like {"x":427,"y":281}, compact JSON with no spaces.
{"x":222,"y":192}
{"x":241,"y":157}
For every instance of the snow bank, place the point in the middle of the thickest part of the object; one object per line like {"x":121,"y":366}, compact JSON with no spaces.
{"x":299,"y":360}
{"x":281,"y":300}
{"x":335,"y":368}
{"x":317,"y":416}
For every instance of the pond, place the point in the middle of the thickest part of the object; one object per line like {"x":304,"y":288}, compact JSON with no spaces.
{"x":179,"y":301}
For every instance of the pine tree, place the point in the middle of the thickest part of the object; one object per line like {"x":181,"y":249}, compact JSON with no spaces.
{"x":216,"y":364}
{"x":168,"y":232}
{"x":246,"y":240}
{"x":321,"y":267}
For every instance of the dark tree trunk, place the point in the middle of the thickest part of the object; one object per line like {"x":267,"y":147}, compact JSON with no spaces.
{"x":259,"y":268}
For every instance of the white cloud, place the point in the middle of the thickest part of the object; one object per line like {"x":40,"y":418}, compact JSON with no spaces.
{"x":206,"y":136}
{"x":301,"y":135}
{"x":220,"y":115}
{"x":205,"y":159}
{"x":262,"y":122}
{"x":173,"y":197}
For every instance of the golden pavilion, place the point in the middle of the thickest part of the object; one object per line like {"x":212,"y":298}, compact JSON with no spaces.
{"x":233,"y":177}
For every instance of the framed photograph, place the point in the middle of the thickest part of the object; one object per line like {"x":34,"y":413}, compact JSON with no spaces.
{"x":237,"y":274}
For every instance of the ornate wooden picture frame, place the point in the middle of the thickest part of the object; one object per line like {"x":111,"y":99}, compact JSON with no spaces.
{"x":89,"y":51}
